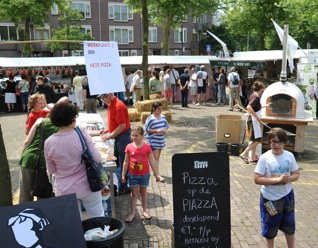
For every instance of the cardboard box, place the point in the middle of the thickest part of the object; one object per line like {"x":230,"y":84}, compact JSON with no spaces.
{"x":228,"y":128}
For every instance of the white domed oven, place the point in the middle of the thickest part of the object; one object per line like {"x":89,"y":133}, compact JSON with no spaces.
{"x":284,"y":103}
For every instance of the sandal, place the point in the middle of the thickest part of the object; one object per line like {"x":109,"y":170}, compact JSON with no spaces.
{"x":245,"y":159}
{"x":160,"y":180}
{"x":129,"y":219}
{"x":147,"y":216}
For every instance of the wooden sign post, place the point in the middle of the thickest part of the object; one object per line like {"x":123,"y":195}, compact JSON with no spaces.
{"x":201,"y":200}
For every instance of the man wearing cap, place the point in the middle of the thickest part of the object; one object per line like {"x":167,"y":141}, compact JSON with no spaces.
{"x":118,"y":129}
{"x":136,"y":86}
{"x":234,"y":86}
{"x":78,"y":90}
{"x":202,"y":77}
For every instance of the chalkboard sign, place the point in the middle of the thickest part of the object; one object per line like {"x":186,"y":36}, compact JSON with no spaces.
{"x":201,"y":200}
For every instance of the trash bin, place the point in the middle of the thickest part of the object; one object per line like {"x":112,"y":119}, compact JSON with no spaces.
{"x":221,"y":147}
{"x":114,"y":241}
{"x":235,"y":149}
{"x":228,"y":129}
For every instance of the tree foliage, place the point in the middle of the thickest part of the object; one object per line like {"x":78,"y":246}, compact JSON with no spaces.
{"x":170,"y":13}
{"x":28,"y":12}
{"x":70,"y":29}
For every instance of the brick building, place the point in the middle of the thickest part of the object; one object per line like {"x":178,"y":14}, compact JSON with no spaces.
{"x":110,"y":21}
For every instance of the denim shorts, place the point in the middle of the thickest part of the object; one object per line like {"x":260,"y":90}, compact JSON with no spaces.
{"x":284,"y":220}
{"x":138,"y":180}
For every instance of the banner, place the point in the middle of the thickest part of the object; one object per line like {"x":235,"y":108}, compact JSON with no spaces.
{"x":103,"y":67}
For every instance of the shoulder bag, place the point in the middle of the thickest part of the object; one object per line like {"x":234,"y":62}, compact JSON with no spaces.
{"x":96,"y":173}
{"x":41,"y":186}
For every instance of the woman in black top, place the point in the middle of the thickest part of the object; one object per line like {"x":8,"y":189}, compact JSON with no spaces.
{"x":44,"y":89}
{"x":9,"y":96}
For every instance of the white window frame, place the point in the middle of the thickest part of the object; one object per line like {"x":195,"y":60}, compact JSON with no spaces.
{"x":152,"y":39}
{"x":112,"y":33}
{"x":46,"y":27}
{"x":87,"y":8}
{"x":123,"y":53}
{"x":87,"y":28}
{"x":54,"y":9}
{"x":177,"y":33}
{"x":133,"y":53}
{"x":111,"y":12}
{"x":5,"y":24}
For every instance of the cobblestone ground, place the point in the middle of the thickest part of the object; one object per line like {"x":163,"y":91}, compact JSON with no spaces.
{"x":193,"y":130}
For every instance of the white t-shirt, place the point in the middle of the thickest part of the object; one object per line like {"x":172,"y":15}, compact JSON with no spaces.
{"x":231,"y":78}
{"x":167,"y":82}
{"x":129,"y":79}
{"x":271,"y":166}
{"x":193,"y":84}
{"x":174,"y":75}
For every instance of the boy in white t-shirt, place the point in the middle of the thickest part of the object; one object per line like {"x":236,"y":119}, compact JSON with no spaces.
{"x":275,"y":171}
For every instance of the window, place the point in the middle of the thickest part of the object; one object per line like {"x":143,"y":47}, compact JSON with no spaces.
{"x":83,"y":7}
{"x":180,"y":36}
{"x":119,"y":12}
{"x":86,"y":29}
{"x":122,"y":35}
{"x":133,"y":53}
{"x":176,"y":52}
{"x":54,"y":9}
{"x":42,"y":33}
{"x":123,"y":53}
{"x":8,"y":32}
{"x":152,"y":34}
{"x":201,"y":19}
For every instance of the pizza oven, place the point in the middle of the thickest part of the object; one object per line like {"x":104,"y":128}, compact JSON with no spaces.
{"x":284,"y":100}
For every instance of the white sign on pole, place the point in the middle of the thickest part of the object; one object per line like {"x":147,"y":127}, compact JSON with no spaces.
{"x":103,"y":67}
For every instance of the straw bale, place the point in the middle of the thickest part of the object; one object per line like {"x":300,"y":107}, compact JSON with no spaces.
{"x":144,"y":116}
{"x":154,"y":96}
{"x":168,"y":115}
{"x":134,"y":115}
{"x":145,"y":106}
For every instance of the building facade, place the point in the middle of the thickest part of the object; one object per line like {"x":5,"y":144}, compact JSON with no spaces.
{"x":110,"y":21}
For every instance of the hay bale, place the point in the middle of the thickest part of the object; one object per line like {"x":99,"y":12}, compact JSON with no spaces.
{"x":144,"y":116}
{"x":145,"y":106}
{"x":134,"y":115}
{"x":168,"y":115}
{"x":154,"y":96}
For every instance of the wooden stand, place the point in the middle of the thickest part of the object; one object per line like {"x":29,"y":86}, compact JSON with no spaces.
{"x":295,"y":127}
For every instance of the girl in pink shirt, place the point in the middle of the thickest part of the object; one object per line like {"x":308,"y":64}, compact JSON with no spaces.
{"x":138,"y":156}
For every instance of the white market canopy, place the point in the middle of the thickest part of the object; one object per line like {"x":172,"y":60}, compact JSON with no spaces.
{"x":156,"y":60}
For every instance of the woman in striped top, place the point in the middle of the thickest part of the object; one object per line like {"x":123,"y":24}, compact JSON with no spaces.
{"x":156,"y":126}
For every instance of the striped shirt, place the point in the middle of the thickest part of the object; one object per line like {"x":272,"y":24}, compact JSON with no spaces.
{"x":156,"y":140}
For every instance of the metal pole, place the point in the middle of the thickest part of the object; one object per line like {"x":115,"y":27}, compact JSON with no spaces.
{"x":100,"y":22}
{"x":283,"y":74}
{"x":182,"y":38}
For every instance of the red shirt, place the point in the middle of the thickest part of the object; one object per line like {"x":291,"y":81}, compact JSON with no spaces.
{"x":33,"y":116}
{"x":117,"y":114}
{"x":138,"y":159}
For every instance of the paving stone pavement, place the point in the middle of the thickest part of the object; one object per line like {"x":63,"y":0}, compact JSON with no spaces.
{"x":193,"y":130}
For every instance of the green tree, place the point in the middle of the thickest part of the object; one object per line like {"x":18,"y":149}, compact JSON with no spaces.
{"x":142,"y":6}
{"x":250,"y":20}
{"x":170,"y":13}
{"x":5,"y":179}
{"x":71,"y":29}
{"x":28,"y":12}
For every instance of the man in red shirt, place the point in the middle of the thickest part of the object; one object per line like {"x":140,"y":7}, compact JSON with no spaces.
{"x":118,"y":129}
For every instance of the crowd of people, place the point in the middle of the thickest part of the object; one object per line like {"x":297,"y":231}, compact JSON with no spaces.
{"x":53,"y":125}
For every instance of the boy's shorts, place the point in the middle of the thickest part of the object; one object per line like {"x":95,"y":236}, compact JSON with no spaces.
{"x":136,"y":180}
{"x":284,"y":220}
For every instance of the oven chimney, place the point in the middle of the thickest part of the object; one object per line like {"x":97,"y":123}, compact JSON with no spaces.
{"x":283,"y":74}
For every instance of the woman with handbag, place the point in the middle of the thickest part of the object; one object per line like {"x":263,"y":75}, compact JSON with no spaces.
{"x":33,"y":156}
{"x":9,"y":96}
{"x":63,"y":154}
